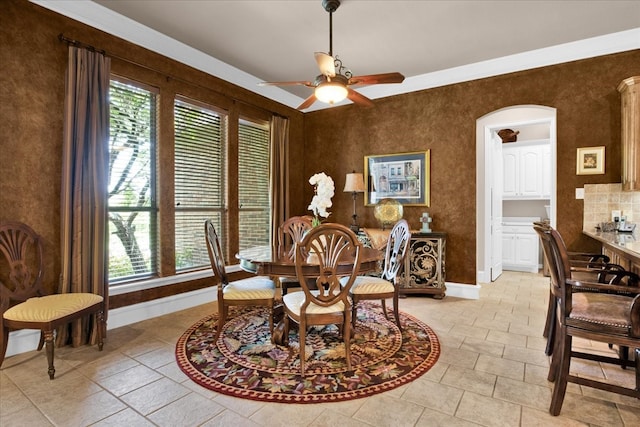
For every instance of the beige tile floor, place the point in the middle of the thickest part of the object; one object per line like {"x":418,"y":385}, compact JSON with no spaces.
{"x":491,"y":372}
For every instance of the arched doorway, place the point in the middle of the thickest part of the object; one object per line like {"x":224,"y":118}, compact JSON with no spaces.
{"x":488,"y":177}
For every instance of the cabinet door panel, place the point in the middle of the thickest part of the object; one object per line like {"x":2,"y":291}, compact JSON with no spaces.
{"x":510,"y":169}
{"x":508,"y":248}
{"x":527,"y":249}
{"x":531,"y":172}
{"x":546,"y":171}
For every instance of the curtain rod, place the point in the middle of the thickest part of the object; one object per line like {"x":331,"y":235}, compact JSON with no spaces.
{"x":80,"y":44}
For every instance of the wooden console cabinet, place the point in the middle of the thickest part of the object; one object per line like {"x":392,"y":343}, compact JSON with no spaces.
{"x":424,"y":266}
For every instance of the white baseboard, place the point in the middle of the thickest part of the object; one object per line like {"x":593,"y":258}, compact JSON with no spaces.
{"x":26,"y":340}
{"x":462,"y":290}
{"x":483,"y":276}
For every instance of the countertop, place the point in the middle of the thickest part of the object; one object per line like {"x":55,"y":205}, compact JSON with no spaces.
{"x":628,"y":243}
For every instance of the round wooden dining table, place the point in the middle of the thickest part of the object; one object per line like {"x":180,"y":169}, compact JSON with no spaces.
{"x":267,"y":261}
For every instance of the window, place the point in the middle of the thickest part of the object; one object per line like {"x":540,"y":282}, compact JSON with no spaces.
{"x":201,"y":185}
{"x":200,"y":173}
{"x":253,"y":184}
{"x":132,"y":181}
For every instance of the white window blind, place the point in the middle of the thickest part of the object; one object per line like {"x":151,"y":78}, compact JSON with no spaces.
{"x":253,"y":184}
{"x":132,"y":181}
{"x":200,"y":141}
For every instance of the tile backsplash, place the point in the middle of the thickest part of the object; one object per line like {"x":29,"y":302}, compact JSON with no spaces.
{"x":601,"y":199}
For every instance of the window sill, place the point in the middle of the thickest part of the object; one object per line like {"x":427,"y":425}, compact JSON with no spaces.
{"x":157,"y":282}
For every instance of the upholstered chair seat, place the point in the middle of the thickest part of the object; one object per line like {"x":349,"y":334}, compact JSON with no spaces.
{"x":371,"y":285}
{"x":601,"y":312}
{"x":295,"y":300}
{"x":51,"y":307}
{"x":254,"y":288}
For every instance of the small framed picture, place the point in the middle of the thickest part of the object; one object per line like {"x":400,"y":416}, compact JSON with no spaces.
{"x":590,"y":161}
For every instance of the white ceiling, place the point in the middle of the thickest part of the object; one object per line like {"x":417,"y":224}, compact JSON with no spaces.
{"x":431,"y":42}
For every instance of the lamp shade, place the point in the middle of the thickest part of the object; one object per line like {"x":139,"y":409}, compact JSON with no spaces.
{"x":354,"y":183}
{"x":331,"y":92}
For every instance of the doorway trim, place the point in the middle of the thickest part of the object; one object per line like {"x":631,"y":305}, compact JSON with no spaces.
{"x":508,"y":117}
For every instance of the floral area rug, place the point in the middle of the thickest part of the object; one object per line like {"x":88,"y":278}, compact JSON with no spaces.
{"x":247,"y":365}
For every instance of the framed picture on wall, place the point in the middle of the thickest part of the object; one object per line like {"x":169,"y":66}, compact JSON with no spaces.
{"x":403,"y":177}
{"x":590,"y":161}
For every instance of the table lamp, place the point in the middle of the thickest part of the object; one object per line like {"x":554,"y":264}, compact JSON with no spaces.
{"x":354,"y":184}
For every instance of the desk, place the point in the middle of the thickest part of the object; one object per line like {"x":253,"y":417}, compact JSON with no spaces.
{"x":262,"y":260}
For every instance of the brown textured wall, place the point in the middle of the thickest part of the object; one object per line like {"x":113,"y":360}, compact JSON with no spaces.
{"x":33,"y":63}
{"x":334,"y":140}
{"x":444,"y":120}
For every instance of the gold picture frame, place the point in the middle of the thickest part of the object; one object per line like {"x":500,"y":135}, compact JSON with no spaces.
{"x":590,"y":161}
{"x":404,"y":177}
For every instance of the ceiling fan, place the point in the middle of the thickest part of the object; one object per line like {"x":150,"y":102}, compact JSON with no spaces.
{"x":333,"y":83}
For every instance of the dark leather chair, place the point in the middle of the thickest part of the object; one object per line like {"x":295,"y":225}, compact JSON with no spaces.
{"x":24,"y":302}
{"x":585,"y":266}
{"x":604,"y":312}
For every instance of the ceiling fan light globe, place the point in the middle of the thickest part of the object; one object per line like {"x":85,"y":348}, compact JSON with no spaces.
{"x":331,"y":92}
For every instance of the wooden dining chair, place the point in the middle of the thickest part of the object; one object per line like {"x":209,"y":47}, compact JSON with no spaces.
{"x":608,"y":313}
{"x":258,"y":290}
{"x":290,"y":232}
{"x":385,"y":286}
{"x":589,"y":267}
{"x":332,"y":245}
{"x":24,"y":301}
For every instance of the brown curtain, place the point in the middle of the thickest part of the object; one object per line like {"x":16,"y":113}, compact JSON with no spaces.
{"x":85,"y":159}
{"x":279,"y":186}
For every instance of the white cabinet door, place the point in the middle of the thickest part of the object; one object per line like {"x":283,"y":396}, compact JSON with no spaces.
{"x":546,"y":171}
{"x":508,"y":250}
{"x":520,"y":249}
{"x":510,"y":171}
{"x":527,"y":250}
{"x":526,"y":171}
{"x":531,"y":171}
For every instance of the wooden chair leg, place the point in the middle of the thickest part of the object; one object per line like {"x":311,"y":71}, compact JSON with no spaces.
{"x":302,"y":334}
{"x":48,"y":343}
{"x":549,"y":320}
{"x":354,"y":314}
{"x":41,"y":342}
{"x":637,"y":360}
{"x":555,"y":358}
{"x":551,"y":327}
{"x":560,"y":387}
{"x":347,"y":338}
{"x":396,"y":310}
{"x":285,"y":335}
{"x":4,"y":343}
{"x":384,"y":308}
{"x":222,"y":315}
{"x":102,"y":329}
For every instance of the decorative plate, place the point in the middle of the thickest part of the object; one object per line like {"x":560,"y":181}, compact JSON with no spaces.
{"x":388,"y":211}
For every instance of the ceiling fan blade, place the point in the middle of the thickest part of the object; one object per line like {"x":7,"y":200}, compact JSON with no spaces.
{"x":292,"y":83}
{"x":358,"y":98}
{"x":374,"y":79}
{"x":326,"y":64}
{"x":307,"y":102}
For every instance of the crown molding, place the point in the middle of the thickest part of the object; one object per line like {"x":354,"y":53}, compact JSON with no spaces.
{"x":106,"y":20}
